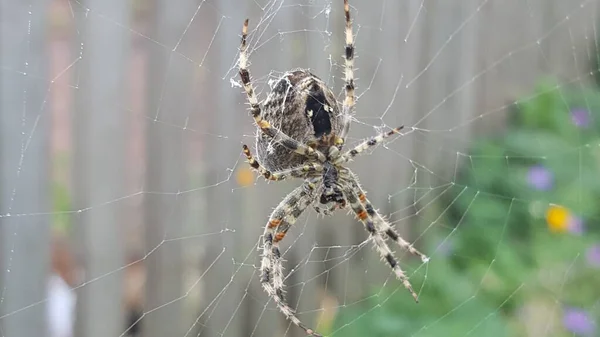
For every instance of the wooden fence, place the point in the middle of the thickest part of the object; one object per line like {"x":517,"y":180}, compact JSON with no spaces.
{"x":139,"y":100}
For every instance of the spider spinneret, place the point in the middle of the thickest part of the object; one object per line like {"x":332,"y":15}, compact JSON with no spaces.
{"x":302,"y":131}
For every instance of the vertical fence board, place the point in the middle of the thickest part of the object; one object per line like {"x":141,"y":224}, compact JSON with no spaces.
{"x":169,"y":92}
{"x":222,"y":312}
{"x":403,"y":197}
{"x":99,"y":134}
{"x":24,"y":167}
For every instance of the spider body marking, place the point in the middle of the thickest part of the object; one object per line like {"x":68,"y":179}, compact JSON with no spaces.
{"x":302,"y":107}
{"x":301,"y":133}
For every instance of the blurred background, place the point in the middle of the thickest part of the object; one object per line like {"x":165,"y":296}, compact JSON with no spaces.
{"x":126,"y":208}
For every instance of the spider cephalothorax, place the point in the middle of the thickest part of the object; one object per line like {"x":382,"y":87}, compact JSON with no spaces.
{"x":302,"y":130}
{"x":332,"y":192}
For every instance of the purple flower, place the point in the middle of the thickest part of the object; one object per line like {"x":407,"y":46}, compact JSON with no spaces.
{"x":580,"y":117}
{"x":540,"y":178}
{"x":579,"y":322}
{"x":576,"y":225}
{"x":593,"y":255}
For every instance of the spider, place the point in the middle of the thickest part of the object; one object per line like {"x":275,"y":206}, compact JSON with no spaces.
{"x":302,"y":133}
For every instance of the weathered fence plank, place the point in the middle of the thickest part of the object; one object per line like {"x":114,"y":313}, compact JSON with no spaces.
{"x":24,"y":167}
{"x":99,"y":139}
{"x":169,"y":102}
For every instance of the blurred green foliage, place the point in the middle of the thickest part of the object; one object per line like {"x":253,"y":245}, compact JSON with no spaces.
{"x":501,"y":265}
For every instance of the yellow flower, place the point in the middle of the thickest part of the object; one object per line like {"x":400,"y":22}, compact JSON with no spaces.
{"x":557,"y":218}
{"x":245,"y":176}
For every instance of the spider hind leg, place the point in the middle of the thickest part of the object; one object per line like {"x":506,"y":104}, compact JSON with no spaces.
{"x":377,"y":237}
{"x":282,"y":218}
{"x":381,"y":223}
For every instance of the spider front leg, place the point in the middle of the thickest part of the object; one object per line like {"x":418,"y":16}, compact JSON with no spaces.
{"x":296,"y":172}
{"x":256,"y":110}
{"x":376,"y":237}
{"x":348,"y":104}
{"x":382,"y":225}
{"x":282,"y":218}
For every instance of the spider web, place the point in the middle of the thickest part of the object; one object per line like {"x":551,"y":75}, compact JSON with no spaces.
{"x":144,"y":116}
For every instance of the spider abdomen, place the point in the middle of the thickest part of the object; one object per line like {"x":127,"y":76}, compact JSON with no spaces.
{"x":304,"y":108}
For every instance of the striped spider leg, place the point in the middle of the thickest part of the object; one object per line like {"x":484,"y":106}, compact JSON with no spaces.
{"x":381,"y":224}
{"x":256,"y":110}
{"x":369,"y":143}
{"x":282,"y":218}
{"x":376,"y":235}
{"x":348,"y":104}
{"x":297,"y":172}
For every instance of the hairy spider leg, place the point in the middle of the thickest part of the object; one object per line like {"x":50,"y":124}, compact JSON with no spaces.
{"x":348,"y":104}
{"x":256,"y":110}
{"x":377,"y":237}
{"x":382,"y":225}
{"x":371,"y":142}
{"x":297,"y":172}
{"x":282,"y":218}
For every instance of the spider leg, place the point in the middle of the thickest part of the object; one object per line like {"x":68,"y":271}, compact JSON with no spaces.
{"x":245,"y":76}
{"x":282,"y":218}
{"x":382,"y":225}
{"x":348,"y":71}
{"x":296,"y":172}
{"x":256,"y":110}
{"x":371,"y":142}
{"x":376,"y":237}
